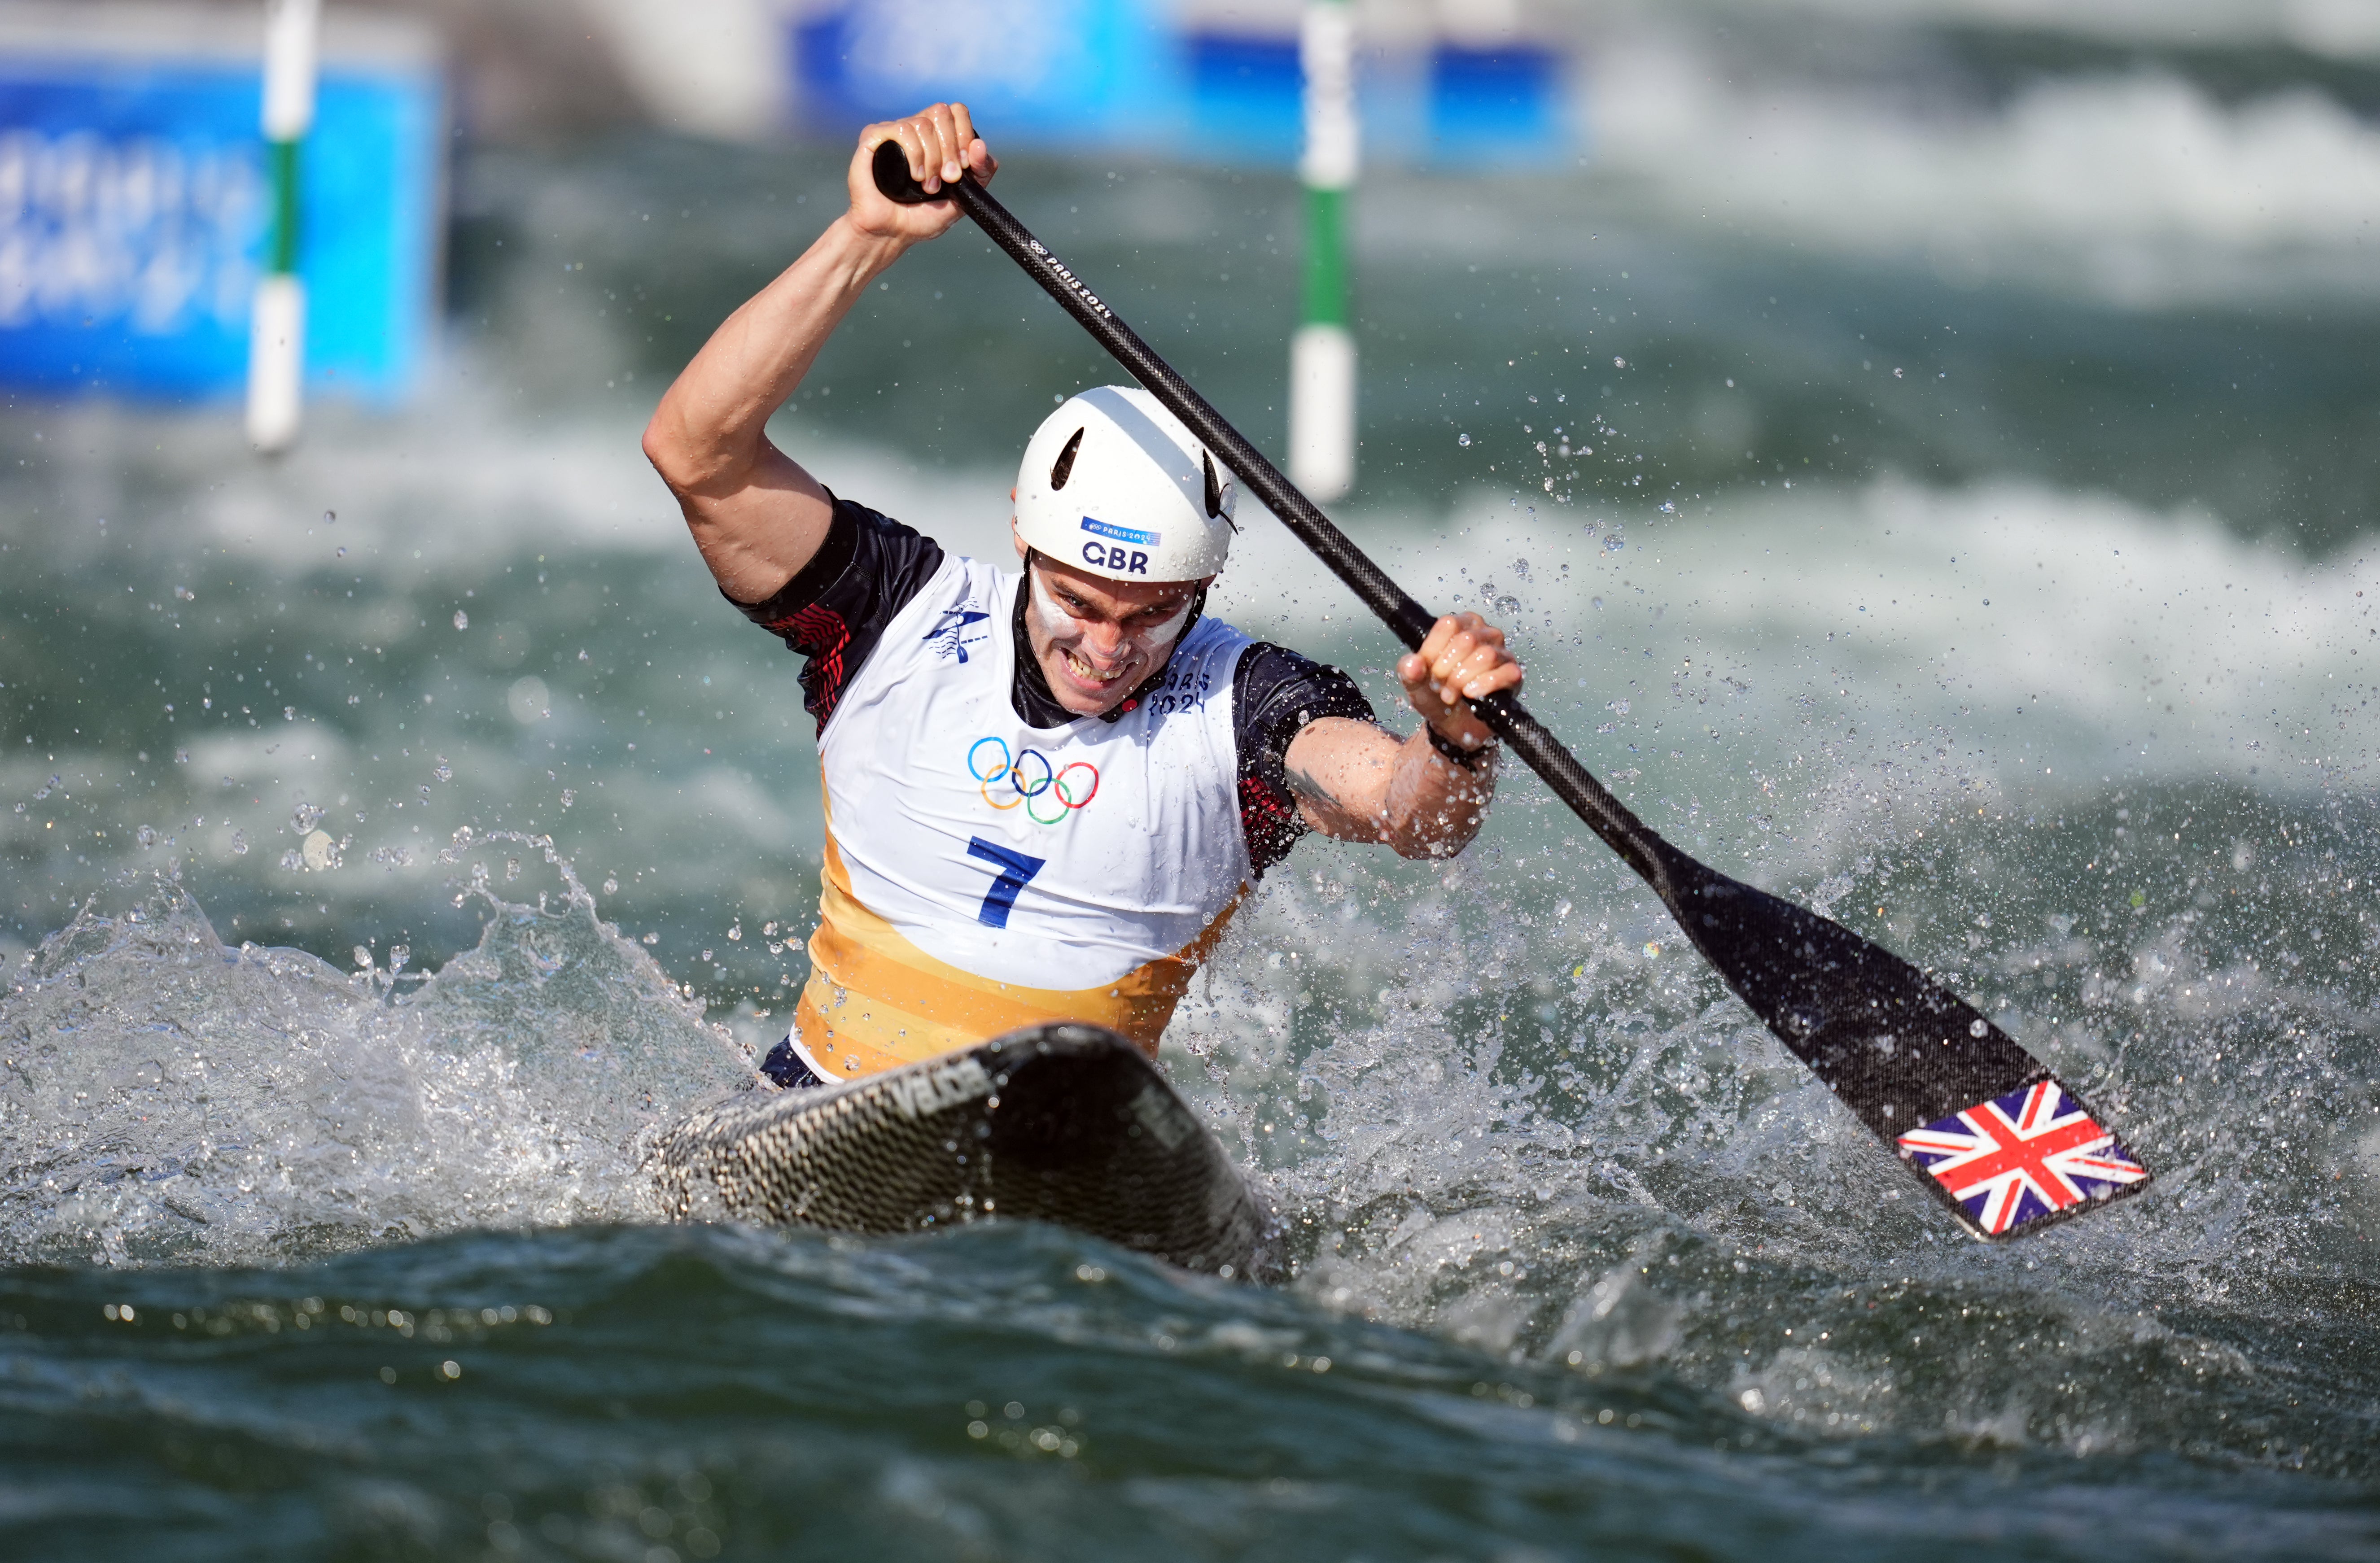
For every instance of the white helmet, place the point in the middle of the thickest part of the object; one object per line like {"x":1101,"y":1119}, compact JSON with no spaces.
{"x":1113,"y":483}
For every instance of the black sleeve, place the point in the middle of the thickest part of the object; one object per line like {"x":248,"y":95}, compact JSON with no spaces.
{"x":835,"y":611}
{"x":1275,"y":692}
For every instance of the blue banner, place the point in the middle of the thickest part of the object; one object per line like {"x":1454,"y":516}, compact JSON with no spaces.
{"x":134,"y":209}
{"x":1090,"y":73}
{"x":1031,"y":68}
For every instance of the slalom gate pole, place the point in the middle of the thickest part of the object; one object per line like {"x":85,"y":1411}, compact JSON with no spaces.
{"x":1322,"y":354}
{"x":276,"y":353}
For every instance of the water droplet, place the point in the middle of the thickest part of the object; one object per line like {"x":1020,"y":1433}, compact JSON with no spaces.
{"x":569,"y":797}
{"x":398,"y":956}
{"x":737,"y":932}
{"x":1462,"y":439}
{"x":462,"y":619}
{"x":528,"y":700}
{"x":363,"y":957}
{"x":329,"y":517}
{"x":240,"y":843}
{"x":1977,"y":1028}
{"x":305,"y":816}
{"x":610,"y":885}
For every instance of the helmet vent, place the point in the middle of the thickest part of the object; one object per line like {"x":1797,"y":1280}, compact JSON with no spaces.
{"x":1063,"y":468}
{"x":1214,"y":488}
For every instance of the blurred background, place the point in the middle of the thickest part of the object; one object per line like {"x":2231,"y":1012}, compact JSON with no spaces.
{"x":1926,"y":452}
{"x":1864,"y":410}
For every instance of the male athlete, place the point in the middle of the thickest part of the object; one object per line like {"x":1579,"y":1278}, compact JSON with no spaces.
{"x":1045,"y":791}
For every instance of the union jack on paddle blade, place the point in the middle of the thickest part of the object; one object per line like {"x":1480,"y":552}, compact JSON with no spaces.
{"x":2030,"y":1157}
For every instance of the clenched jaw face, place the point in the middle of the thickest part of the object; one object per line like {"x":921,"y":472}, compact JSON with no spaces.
{"x":1096,"y":639}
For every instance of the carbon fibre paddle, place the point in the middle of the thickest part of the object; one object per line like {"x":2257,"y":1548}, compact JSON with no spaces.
{"x":1984,"y":1125}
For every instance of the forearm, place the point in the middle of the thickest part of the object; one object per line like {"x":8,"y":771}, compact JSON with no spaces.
{"x":1360,"y":783}
{"x":1434,"y":807}
{"x":708,"y":436}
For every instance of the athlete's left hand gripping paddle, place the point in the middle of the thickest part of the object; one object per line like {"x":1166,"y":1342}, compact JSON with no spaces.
{"x":1984,"y":1124}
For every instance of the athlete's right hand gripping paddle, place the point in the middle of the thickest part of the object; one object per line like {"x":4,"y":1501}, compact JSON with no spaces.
{"x":2003,"y":1142}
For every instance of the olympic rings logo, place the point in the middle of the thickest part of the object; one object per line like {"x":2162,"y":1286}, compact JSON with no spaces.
{"x":1029,"y":777}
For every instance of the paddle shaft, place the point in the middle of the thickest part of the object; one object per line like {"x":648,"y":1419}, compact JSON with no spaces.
{"x":1896,"y":1047}
{"x":1538,"y":748}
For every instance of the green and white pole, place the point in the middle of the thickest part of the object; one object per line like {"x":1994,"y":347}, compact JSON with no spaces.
{"x":1322,"y":355}
{"x":276,"y":349}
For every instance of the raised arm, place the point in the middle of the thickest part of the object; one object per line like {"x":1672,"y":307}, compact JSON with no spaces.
{"x":1359,"y":781}
{"x":757,"y":516}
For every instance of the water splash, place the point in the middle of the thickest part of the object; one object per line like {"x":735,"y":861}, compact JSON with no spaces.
{"x":167,"y":1097}
{"x":1499,"y":1124}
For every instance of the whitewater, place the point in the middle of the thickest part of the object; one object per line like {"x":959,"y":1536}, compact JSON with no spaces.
{"x":393,"y":838}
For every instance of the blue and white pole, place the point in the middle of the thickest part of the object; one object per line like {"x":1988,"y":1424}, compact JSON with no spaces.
{"x":1322,"y":355}
{"x":276,"y":352}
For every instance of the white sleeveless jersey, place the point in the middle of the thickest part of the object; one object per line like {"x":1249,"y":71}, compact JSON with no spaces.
{"x":982,"y":873}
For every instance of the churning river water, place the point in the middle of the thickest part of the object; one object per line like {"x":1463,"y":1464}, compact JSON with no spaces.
{"x":389,"y":837}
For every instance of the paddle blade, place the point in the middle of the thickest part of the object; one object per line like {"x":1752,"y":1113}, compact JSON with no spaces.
{"x":1984,"y":1124}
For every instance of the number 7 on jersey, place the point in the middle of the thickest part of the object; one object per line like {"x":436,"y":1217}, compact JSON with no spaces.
{"x":1015,"y":870}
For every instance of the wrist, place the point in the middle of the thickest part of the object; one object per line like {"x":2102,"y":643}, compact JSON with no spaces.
{"x":1473,"y":760}
{"x":868,"y":253}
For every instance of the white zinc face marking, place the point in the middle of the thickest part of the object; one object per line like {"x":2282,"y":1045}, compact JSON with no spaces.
{"x":1064,"y":630}
{"x":1048,"y":617}
{"x":1170,"y":630}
